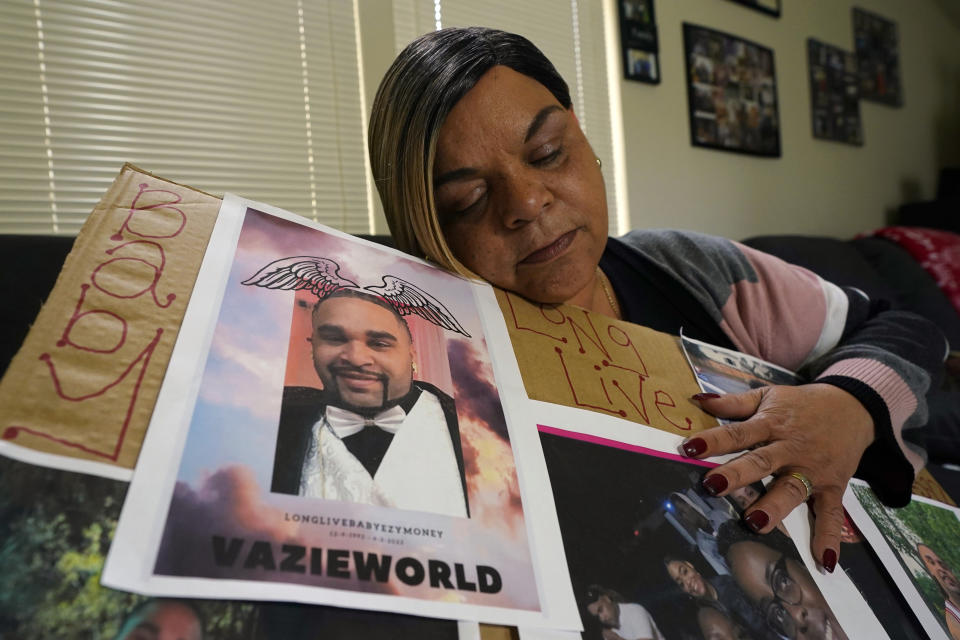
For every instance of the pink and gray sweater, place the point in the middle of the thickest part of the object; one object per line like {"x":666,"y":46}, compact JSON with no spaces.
{"x":790,"y":316}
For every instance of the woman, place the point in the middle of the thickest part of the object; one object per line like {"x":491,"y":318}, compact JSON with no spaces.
{"x":482,"y":167}
{"x":783,"y":591}
{"x":719,"y":592}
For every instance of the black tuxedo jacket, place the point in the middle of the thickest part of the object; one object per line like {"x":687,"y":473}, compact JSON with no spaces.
{"x":300,"y":410}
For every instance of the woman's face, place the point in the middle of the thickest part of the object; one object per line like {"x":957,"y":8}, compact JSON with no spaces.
{"x":745,"y":496}
{"x":686,"y":576}
{"x":784,"y":591}
{"x":518,"y":191}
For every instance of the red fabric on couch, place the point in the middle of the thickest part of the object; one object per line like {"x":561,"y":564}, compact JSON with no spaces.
{"x":938,"y":252}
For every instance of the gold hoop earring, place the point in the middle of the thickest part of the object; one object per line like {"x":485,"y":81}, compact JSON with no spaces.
{"x":599,"y":163}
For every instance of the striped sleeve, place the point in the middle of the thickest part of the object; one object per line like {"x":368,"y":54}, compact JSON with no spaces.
{"x":792,"y":317}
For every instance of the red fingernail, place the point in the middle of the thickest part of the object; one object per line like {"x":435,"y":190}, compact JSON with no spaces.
{"x":693,"y":447}
{"x":704,"y":396}
{"x":715,"y":484}
{"x":829,"y":560}
{"x":756,"y":520}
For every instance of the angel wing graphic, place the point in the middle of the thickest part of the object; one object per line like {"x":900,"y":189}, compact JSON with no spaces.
{"x":322,"y":277}
{"x":408,"y":298}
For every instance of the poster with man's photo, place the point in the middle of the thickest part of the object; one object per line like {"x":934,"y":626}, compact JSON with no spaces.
{"x":653,"y":556}
{"x":334,"y":433}
{"x":918,"y":546}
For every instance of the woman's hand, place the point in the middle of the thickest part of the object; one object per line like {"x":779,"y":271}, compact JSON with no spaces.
{"x":816,"y":430}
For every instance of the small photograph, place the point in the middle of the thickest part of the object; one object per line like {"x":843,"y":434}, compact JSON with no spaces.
{"x":642,"y":65}
{"x":359,"y":422}
{"x":868,"y":574}
{"x":740,"y":78}
{"x":705,"y":129}
{"x":638,"y":41}
{"x":922,"y":537}
{"x":771,"y":7}
{"x":834,"y":93}
{"x":637,"y":11}
{"x":878,"y":58}
{"x":55,"y":530}
{"x":652,"y":556}
{"x":727,"y":371}
{"x":706,"y":101}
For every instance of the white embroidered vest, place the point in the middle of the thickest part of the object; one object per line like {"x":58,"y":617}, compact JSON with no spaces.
{"x":419,"y":471}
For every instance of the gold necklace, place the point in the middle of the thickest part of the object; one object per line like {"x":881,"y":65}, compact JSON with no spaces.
{"x":610,"y":297}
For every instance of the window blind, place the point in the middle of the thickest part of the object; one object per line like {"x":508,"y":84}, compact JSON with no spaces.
{"x":571,"y":34}
{"x":262,"y":99}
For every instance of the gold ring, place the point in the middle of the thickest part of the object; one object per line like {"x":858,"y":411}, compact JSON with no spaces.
{"x":806,"y":483}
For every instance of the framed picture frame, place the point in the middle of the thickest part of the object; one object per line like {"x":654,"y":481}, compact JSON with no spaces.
{"x":638,"y":41}
{"x":834,"y":93}
{"x":878,"y":58}
{"x":732,"y":92}
{"x":770,"y":7}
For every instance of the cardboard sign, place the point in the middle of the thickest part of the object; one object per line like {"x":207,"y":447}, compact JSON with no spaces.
{"x":81,"y":390}
{"x":584,"y":360}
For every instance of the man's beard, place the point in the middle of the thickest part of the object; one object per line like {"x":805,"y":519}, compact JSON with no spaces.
{"x":338,"y":400}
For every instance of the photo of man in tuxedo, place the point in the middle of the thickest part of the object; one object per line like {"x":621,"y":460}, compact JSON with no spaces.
{"x":373,"y":434}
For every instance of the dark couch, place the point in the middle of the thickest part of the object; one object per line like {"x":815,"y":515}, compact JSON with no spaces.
{"x":879,"y":267}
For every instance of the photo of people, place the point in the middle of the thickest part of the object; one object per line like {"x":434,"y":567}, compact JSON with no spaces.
{"x":878,"y":58}
{"x":923,"y":538}
{"x":860,"y":562}
{"x":739,"y":78}
{"x":720,"y":370}
{"x":834,"y":93}
{"x":724,"y":371}
{"x":652,"y":556}
{"x":347,"y":445}
{"x":643,"y":65}
{"x":639,"y":42}
{"x":385,"y":437}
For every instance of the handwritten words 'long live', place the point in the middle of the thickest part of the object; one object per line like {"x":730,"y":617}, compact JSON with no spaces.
{"x":572,"y":357}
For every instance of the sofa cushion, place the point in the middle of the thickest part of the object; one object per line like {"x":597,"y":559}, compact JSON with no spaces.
{"x":831,"y":259}
{"x":879,"y":267}
{"x":31,"y":265}
{"x":914,"y":289}
{"x":938,"y":252}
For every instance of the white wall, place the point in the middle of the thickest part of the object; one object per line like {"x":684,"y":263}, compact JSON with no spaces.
{"x":816,"y":187}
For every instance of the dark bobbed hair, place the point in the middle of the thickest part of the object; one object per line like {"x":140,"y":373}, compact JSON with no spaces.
{"x":417,"y":93}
